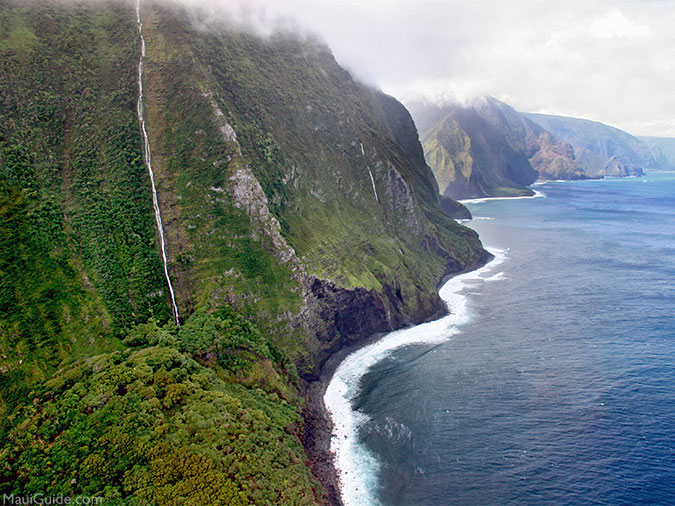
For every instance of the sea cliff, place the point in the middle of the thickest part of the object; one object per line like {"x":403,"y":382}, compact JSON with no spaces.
{"x":298,"y":217}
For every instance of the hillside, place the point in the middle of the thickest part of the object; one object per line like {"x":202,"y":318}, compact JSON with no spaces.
{"x":602,"y":150}
{"x":662,"y":149}
{"x":298,"y":213}
{"x":489,"y":149}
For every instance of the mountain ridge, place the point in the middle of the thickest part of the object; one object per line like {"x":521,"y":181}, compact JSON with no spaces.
{"x":662,"y":148}
{"x":489,"y":149}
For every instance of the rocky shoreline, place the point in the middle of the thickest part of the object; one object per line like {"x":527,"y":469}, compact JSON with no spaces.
{"x":318,"y":427}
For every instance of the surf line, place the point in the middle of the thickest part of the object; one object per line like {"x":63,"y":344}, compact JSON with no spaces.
{"x":480,"y":200}
{"x":356,"y":466}
{"x":147,"y":158}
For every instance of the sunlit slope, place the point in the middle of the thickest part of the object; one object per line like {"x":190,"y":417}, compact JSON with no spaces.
{"x":487,"y":148}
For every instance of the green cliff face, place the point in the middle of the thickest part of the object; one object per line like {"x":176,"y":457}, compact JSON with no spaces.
{"x":299,"y":215}
{"x":489,"y":149}
{"x":79,"y":257}
{"x":285,"y":181}
{"x":472,"y":156}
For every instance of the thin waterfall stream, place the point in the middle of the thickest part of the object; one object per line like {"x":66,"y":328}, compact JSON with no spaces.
{"x":372,"y":179}
{"x":147,"y":158}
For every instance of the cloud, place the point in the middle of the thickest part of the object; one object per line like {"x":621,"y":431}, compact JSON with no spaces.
{"x":607,"y":60}
{"x":617,"y":24}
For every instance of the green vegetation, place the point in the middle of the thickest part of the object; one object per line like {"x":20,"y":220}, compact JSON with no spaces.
{"x":276,"y":244}
{"x":299,"y":120}
{"x":489,"y":149}
{"x":154,"y":426}
{"x":95,"y":387}
{"x":78,"y":261}
{"x":473,"y":155}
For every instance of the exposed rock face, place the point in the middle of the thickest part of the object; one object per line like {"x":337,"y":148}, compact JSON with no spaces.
{"x":335,"y":316}
{"x":249,"y":196}
{"x":473,"y":157}
{"x":402,"y":128}
{"x":490,"y":149}
{"x":551,"y":157}
{"x":401,"y":200}
{"x":600,"y":149}
{"x":309,"y":208}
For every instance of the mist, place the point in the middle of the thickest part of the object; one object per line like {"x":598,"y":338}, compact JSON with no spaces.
{"x":610,"y":61}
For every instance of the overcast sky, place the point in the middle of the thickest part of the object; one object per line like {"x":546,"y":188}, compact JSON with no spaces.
{"x":611,"y":61}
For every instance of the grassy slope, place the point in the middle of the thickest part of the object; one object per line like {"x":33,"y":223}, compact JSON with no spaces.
{"x":79,"y":266}
{"x":489,"y":149}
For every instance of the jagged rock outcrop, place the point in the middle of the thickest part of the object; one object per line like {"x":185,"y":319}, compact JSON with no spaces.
{"x":600,"y":149}
{"x":551,"y":157}
{"x":330,"y":178}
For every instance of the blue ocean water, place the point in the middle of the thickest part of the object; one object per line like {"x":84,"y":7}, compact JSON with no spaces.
{"x":560,"y":389}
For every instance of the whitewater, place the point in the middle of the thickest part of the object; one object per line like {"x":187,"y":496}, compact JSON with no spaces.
{"x":481,"y":200}
{"x":559,"y":389}
{"x":357,"y":468}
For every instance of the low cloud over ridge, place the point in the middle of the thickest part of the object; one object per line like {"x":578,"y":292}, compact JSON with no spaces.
{"x":610,"y":61}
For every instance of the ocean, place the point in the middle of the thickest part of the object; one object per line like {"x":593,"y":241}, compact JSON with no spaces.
{"x":552,"y":381}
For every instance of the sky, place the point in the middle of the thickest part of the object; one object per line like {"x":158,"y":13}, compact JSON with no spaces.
{"x":610,"y":61}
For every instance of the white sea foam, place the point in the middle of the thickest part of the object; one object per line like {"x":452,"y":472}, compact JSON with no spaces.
{"x":537,"y":194}
{"x":496,"y":277}
{"x":483,"y":218}
{"x":357,"y":467}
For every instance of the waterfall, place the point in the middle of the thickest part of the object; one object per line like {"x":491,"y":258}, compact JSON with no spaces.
{"x":372,"y":179}
{"x":147,"y":158}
